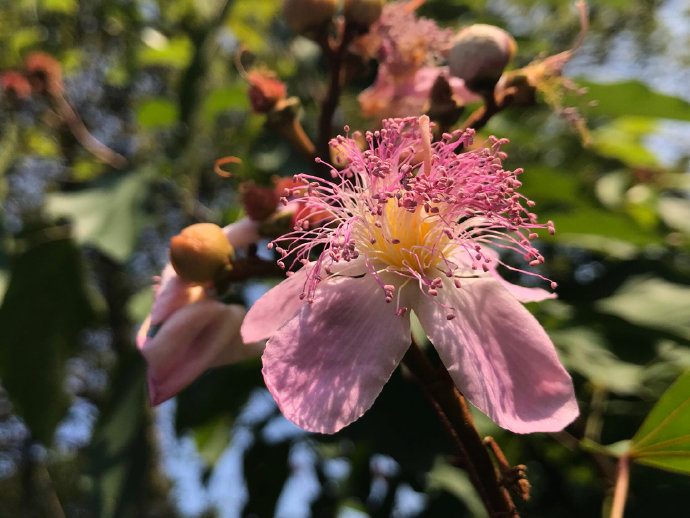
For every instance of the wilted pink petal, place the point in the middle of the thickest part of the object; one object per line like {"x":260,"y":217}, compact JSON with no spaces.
{"x":188,"y":331}
{"x":392,"y":96}
{"x":328,"y":363}
{"x":500,"y":357}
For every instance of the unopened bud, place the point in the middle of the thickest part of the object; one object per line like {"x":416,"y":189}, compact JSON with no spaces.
{"x":44,"y":73}
{"x":265,"y":91}
{"x":303,"y":15}
{"x":201,"y":253}
{"x":479,"y":54}
{"x":363,"y":12}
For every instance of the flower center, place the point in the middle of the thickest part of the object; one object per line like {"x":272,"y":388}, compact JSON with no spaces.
{"x":401,"y":241}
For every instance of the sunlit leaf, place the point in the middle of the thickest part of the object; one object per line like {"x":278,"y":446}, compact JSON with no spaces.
{"x":157,"y":113}
{"x":175,"y":52}
{"x":675,"y":212}
{"x":623,"y":139}
{"x":634,"y":98}
{"x":663,"y":440}
{"x":652,"y":302}
{"x":108,"y":215}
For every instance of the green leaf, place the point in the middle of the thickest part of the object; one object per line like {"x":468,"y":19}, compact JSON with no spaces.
{"x":161,"y":51}
{"x":224,"y":99}
{"x":634,"y":98}
{"x":157,"y":113}
{"x":107,"y":216}
{"x":622,"y":139}
{"x":213,"y":438}
{"x":120,"y":453}
{"x":46,"y":306}
{"x":582,"y":350}
{"x":652,"y":302}
{"x":663,"y":440}
{"x":676,"y":213}
{"x":444,"y":477}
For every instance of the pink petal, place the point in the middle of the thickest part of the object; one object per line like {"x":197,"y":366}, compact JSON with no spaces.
{"x":327,"y":364}
{"x":522,"y":293}
{"x":499,"y":356}
{"x":274,"y":308}
{"x":195,"y":338}
{"x":280,"y":303}
{"x":242,"y":232}
{"x":172,"y":293}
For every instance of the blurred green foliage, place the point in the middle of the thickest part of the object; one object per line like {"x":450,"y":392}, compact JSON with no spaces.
{"x":79,"y":242}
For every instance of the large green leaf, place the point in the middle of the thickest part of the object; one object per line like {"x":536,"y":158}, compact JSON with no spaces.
{"x":584,"y":351}
{"x":635,"y":98}
{"x":663,"y":440}
{"x":46,"y":305}
{"x":652,"y":302}
{"x":108,"y":215}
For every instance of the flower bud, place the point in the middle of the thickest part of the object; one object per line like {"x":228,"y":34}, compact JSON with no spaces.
{"x":201,"y":253}
{"x":15,"y":85}
{"x":479,"y":54}
{"x":363,"y":12}
{"x":259,"y":201}
{"x":303,"y":15}
{"x":265,"y":91}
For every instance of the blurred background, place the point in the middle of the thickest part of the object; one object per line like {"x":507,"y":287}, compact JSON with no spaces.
{"x":83,"y":230}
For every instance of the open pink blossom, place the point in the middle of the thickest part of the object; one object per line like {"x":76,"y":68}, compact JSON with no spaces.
{"x":411,"y":225}
{"x":190,"y":331}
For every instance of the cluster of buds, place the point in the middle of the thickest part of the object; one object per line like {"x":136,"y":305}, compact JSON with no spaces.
{"x":42,"y":75}
{"x":311,"y":17}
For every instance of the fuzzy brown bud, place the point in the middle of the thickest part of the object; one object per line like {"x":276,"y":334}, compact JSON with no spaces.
{"x":303,"y":15}
{"x":15,"y":85}
{"x":265,"y":91}
{"x":259,"y":201}
{"x":363,"y":12}
{"x":479,"y":54}
{"x":201,"y":253}
{"x":44,"y":73}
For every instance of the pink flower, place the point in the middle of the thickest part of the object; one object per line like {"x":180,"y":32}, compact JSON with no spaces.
{"x":410,"y":228}
{"x":190,"y":331}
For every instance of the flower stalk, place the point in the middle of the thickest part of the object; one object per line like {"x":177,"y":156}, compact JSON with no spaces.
{"x":455,"y":415}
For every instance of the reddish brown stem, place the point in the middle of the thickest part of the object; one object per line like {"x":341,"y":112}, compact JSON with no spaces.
{"x":71,"y":118}
{"x":451,"y":406}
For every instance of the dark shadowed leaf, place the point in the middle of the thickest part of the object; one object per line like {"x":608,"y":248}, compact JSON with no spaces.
{"x":45,"y":307}
{"x":120,"y":453}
